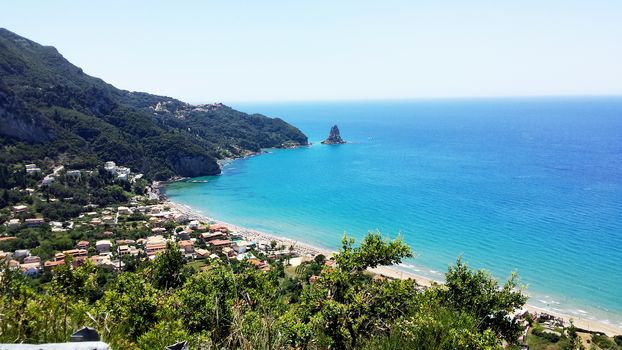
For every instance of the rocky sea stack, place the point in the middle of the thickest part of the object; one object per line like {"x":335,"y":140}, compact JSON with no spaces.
{"x":334,"y":138}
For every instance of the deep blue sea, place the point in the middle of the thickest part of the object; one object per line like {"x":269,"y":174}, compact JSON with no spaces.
{"x":532,"y":185}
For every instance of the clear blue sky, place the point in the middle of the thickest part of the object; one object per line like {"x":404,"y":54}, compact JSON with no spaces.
{"x":230,"y":50}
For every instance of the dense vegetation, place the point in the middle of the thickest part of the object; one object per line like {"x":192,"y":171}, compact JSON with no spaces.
{"x":232,"y":305}
{"x":51,"y":110}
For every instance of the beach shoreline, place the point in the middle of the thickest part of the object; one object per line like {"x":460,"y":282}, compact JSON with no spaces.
{"x":387,"y":271}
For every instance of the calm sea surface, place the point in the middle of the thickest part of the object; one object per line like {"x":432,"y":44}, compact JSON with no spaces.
{"x":526,"y":185}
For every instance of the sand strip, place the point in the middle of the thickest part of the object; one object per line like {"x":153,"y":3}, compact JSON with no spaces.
{"x":387,"y":271}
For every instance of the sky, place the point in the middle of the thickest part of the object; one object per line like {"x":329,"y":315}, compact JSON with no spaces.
{"x":250,"y":51}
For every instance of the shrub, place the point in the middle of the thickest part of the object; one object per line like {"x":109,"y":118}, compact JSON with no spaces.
{"x":540,"y":332}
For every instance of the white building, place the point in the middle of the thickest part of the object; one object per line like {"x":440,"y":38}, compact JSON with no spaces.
{"x":123,"y":170}
{"x":111,"y":167}
{"x":73,"y":173}
{"x":13,"y":223}
{"x":124,"y":211}
{"x":47,"y":180}
{"x":32,"y":168}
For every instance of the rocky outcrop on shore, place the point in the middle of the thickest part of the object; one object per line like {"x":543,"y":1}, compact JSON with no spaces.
{"x":334,"y":138}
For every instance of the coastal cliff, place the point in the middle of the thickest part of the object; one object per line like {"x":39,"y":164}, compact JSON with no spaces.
{"x":50,"y":109}
{"x":334,"y":137}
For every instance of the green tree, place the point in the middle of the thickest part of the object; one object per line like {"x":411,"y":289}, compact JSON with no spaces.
{"x":346,"y":304}
{"x":14,"y":296}
{"x":479,"y":294}
{"x":206,"y":301}
{"x":168,"y":268}
{"x":127,"y":310}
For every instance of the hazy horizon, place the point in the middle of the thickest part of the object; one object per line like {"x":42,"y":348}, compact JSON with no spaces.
{"x":323,"y":51}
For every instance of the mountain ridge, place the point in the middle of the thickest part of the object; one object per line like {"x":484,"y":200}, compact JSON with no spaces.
{"x":50,"y":109}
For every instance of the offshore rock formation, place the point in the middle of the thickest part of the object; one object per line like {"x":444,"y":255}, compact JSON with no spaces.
{"x":333,"y":138}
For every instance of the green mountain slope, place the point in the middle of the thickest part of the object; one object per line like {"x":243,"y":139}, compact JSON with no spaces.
{"x":50,"y":109}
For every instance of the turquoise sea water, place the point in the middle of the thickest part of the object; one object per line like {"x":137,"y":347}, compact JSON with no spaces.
{"x":526,"y":185}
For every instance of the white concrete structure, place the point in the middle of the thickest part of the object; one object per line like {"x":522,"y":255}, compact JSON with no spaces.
{"x":32,"y":168}
{"x":73,"y":173}
{"x":47,"y":180}
{"x":110,"y":167}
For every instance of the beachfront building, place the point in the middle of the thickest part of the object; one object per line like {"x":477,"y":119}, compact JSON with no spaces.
{"x":243,"y":246}
{"x":212,"y":236}
{"x":179,"y":217}
{"x":218,"y":228}
{"x":194,"y":224}
{"x":219,"y":243}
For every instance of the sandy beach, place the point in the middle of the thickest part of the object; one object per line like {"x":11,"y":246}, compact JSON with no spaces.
{"x":305,"y":249}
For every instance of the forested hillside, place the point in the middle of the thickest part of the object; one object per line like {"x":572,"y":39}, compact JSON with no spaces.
{"x":50,"y":109}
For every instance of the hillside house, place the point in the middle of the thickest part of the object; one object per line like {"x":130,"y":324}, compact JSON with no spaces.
{"x":110,"y":167}
{"x":96,"y":222}
{"x":125,"y":250}
{"x":47,"y":180}
{"x":186,"y":247}
{"x":21,"y":253}
{"x":74,"y":174}
{"x":108,"y":220}
{"x":103,"y":245}
{"x":35,"y":222}
{"x":32,"y":169}
{"x":19,"y":209}
{"x":155,"y":245}
{"x":124,"y":211}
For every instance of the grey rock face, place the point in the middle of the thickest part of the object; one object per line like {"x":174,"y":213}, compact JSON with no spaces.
{"x":334,"y":138}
